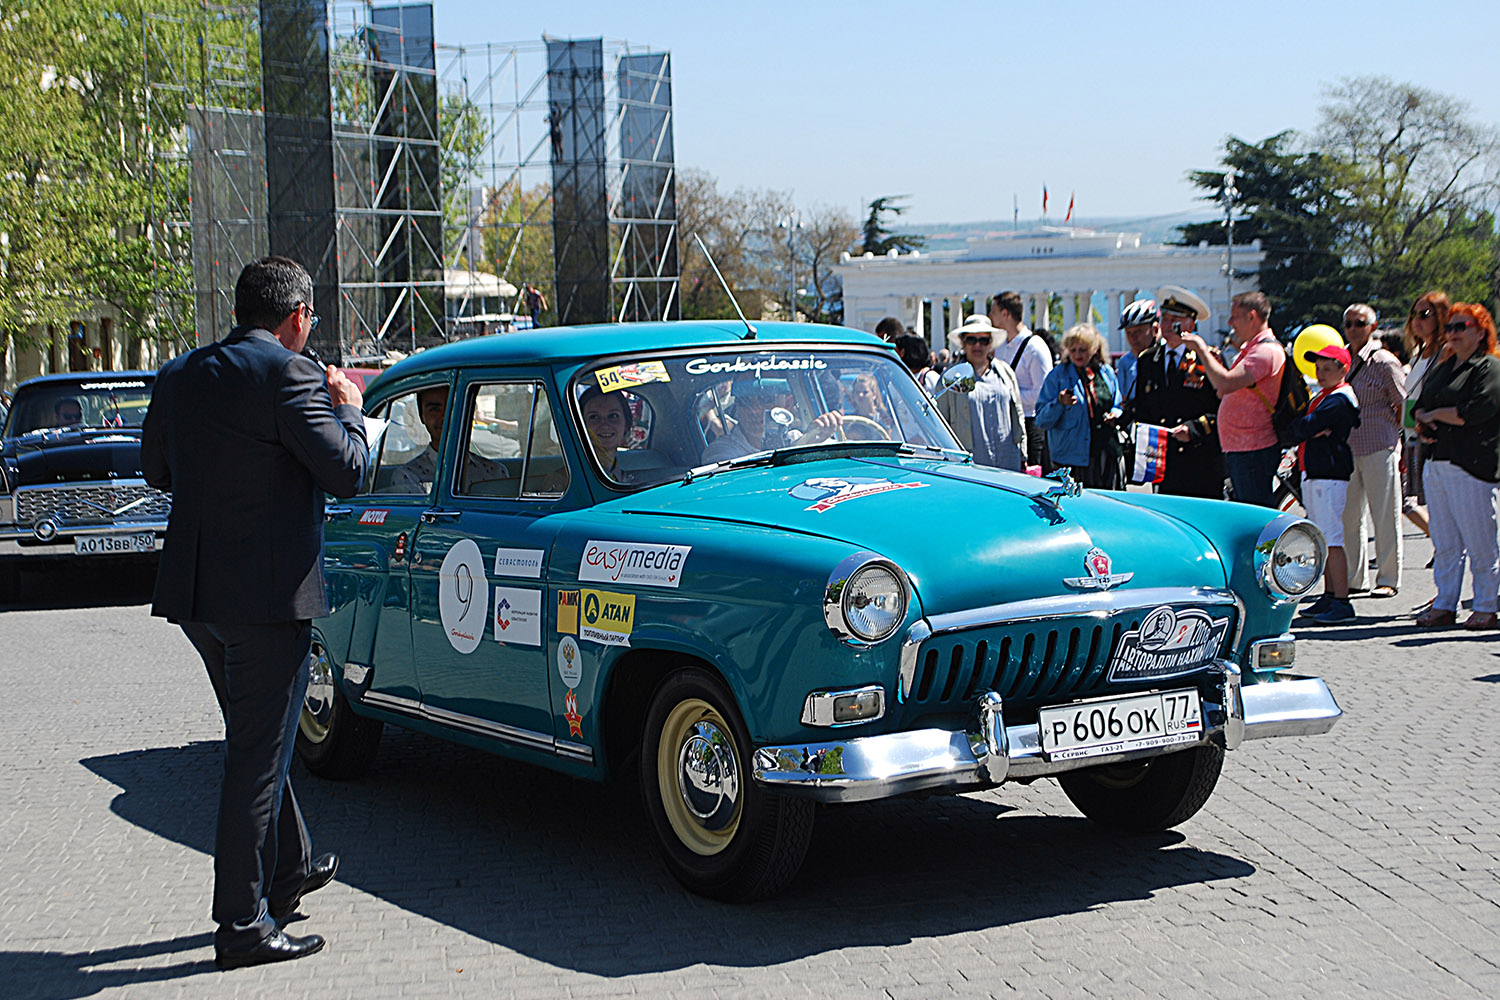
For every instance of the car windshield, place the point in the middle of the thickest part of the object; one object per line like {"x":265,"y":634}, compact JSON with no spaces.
{"x":65,"y":406}
{"x":652,"y":419}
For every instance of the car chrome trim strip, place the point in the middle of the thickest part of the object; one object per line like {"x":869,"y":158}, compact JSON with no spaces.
{"x":876,"y":767}
{"x":1071,"y":605}
{"x":575,"y":751}
{"x":468,"y":723}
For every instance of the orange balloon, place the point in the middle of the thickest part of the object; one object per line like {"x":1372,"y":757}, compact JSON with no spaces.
{"x":1313,"y":338}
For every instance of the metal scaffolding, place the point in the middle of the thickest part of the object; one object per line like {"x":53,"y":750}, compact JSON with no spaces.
{"x":452,"y":187}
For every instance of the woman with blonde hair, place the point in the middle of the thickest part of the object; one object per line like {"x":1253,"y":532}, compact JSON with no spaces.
{"x":1423,"y":336}
{"x":1458,"y":421}
{"x":1080,"y":408}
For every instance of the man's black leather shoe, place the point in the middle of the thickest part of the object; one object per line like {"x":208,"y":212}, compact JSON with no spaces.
{"x":279,"y":947}
{"x":319,"y":875}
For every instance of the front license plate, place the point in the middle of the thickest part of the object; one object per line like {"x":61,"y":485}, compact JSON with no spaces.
{"x":106,"y":545}
{"x":1095,"y":728}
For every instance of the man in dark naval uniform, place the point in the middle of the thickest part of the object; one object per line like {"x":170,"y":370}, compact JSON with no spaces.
{"x":1172,"y":390}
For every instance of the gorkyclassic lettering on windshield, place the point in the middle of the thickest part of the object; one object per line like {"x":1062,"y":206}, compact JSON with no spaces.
{"x":769,"y":363}
{"x":633,"y":562}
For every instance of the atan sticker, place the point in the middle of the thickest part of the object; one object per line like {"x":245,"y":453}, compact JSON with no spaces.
{"x":607,"y":618}
{"x":518,"y":616}
{"x":463,"y":595}
{"x":640,"y":563}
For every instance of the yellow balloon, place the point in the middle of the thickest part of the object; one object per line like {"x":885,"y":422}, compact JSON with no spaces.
{"x":1313,"y":338}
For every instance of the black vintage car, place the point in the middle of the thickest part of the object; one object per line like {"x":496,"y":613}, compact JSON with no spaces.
{"x":70,"y":469}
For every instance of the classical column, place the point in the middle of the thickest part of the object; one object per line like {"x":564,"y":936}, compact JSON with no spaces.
{"x":1069,"y":309}
{"x":939,"y":325}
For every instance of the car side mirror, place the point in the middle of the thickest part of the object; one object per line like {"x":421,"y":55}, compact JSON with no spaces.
{"x":959,"y":377}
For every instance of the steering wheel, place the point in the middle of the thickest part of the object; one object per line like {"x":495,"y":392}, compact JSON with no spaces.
{"x":868,"y":430}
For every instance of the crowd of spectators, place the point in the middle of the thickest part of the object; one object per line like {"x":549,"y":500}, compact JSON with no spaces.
{"x":1401,"y":423}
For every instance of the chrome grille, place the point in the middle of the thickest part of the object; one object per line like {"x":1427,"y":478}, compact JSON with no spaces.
{"x":77,"y":504}
{"x":1029,"y":664}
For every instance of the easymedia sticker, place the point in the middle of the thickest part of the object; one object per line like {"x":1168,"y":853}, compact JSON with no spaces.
{"x":607,"y":618}
{"x":633,"y":562}
{"x":625,"y":376}
{"x":518,"y":616}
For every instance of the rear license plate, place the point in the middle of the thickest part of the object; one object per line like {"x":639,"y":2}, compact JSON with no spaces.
{"x":1095,"y":728}
{"x":105,"y":545}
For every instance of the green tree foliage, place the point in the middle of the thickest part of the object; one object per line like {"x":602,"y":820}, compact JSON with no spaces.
{"x":517,"y":237}
{"x":1290,"y":202}
{"x":1422,"y":178}
{"x":72,"y":205}
{"x":878,"y":238}
{"x":740,"y":231}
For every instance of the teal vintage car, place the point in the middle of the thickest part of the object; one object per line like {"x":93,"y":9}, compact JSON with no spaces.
{"x":750,"y":564}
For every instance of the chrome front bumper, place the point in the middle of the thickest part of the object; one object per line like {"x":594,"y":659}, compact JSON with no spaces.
{"x":877,"y":767}
{"x":19,"y":541}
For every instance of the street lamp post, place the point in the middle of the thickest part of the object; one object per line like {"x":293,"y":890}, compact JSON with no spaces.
{"x":1230,"y":194}
{"x":791,"y":223}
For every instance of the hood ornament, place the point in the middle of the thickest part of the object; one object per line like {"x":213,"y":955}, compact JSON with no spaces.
{"x":1066,"y":486}
{"x":1097,"y":562}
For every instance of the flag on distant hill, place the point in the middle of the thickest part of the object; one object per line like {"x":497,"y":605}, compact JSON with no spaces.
{"x":1150,"y":453}
{"x":1044,"y":199}
{"x":1069,"y":216}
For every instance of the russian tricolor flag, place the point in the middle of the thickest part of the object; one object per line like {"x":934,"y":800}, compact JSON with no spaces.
{"x":1150,"y":453}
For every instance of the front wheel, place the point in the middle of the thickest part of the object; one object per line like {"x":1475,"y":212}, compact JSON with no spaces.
{"x":1148,"y":795}
{"x":720,"y":834}
{"x":331,"y":740}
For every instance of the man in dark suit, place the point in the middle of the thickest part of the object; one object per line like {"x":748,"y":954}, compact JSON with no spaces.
{"x":248,"y":436}
{"x":1172,"y":390}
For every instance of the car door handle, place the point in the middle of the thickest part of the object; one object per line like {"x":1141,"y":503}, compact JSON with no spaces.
{"x":437,"y":514}
{"x":329,"y":513}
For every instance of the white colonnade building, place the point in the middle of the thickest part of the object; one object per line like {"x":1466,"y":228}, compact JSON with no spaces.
{"x":1078,"y":265}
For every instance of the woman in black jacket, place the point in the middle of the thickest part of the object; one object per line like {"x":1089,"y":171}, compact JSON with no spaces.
{"x":1458,"y":420}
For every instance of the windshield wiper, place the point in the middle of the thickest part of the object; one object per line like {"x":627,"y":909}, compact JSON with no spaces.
{"x":754,"y":458}
{"x":933,"y":451}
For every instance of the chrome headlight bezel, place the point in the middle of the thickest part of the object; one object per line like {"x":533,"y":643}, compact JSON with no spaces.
{"x":838,"y":593}
{"x":1270,"y":555}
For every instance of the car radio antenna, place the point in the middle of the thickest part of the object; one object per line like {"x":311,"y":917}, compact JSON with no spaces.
{"x":749,"y":329}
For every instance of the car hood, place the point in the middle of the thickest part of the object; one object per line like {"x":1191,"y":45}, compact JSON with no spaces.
{"x":73,"y":456}
{"x":968,"y":536}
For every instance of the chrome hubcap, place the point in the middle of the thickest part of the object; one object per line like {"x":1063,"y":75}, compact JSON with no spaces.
{"x":317,"y":704}
{"x":708,"y":777}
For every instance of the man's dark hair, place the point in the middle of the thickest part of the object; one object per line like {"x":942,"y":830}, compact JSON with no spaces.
{"x":889,"y":328}
{"x":1256,"y":302}
{"x":1011,"y":303}
{"x":268,"y":291}
{"x":914,"y":351}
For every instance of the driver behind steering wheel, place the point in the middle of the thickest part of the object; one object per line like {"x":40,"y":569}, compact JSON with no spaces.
{"x":763,"y":422}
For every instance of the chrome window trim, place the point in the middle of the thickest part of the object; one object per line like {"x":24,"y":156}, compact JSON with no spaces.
{"x":817,"y":710}
{"x":833,"y":599}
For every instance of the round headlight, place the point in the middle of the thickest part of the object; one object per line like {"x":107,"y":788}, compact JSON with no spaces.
{"x":1294,"y":560}
{"x":866,"y":598}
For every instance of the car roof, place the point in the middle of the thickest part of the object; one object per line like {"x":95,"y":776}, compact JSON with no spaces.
{"x":64,"y":378}
{"x":579,"y":343}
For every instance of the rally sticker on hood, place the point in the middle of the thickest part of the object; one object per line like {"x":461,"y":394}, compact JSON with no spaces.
{"x":829,"y":493}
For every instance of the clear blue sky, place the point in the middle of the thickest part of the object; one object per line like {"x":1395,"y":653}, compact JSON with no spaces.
{"x":960,"y":105}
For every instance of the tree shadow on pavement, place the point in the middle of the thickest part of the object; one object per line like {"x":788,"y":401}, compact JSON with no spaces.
{"x":59,"y":975}
{"x":513,"y":854}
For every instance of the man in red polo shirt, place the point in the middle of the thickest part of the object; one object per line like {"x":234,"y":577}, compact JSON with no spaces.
{"x":1247,"y":393}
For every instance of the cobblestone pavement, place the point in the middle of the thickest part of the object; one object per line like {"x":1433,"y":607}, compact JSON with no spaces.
{"x":1363,"y":863}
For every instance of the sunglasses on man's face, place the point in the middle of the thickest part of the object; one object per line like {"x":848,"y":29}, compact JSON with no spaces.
{"x":1355,"y":324}
{"x":1459,"y":326}
{"x":971,"y":341}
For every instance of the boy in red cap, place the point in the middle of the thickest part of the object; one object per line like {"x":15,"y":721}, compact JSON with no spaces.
{"x":1326,"y":462}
